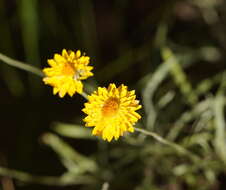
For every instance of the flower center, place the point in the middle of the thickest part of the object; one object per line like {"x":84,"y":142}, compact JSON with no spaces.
{"x":110,"y":107}
{"x":68,"y":69}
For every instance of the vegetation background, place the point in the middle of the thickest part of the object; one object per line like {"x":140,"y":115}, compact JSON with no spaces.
{"x":172,"y":52}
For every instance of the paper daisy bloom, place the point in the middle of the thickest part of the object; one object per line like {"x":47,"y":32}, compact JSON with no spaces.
{"x":111,"y":111}
{"x":66,"y":72}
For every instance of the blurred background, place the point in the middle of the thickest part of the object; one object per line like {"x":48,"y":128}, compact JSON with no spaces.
{"x":171,"y":52}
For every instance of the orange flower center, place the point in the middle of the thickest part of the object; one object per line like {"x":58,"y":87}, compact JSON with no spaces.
{"x":110,"y":107}
{"x":68,"y":69}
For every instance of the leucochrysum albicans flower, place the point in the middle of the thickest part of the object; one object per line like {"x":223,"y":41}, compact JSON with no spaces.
{"x":66,"y":72}
{"x":112,"y":111}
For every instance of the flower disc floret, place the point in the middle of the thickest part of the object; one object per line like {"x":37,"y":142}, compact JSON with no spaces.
{"x":111,"y":111}
{"x":66,"y":72}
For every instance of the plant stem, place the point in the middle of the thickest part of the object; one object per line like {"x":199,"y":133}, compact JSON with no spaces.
{"x":105,"y":186}
{"x":45,"y":180}
{"x":179,"y":148}
{"x":21,"y":65}
{"x":84,"y":95}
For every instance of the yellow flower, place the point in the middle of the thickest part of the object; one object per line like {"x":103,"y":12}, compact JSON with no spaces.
{"x":112,"y":111}
{"x":66,"y":72}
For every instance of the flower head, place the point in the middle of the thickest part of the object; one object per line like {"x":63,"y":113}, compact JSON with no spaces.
{"x":112,"y":111}
{"x":66,"y":72}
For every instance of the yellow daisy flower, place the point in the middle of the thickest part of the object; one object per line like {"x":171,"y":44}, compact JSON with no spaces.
{"x":66,"y":72}
{"x":112,"y":111}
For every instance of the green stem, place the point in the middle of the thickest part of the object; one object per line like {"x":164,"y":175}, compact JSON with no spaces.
{"x":218,"y":108}
{"x":105,"y":186}
{"x":84,"y":95}
{"x":45,"y":180}
{"x":160,"y":139}
{"x":21,"y":65}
